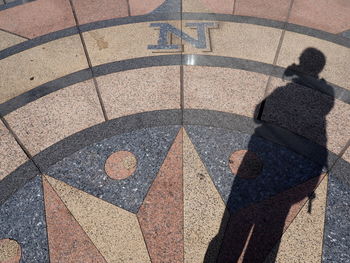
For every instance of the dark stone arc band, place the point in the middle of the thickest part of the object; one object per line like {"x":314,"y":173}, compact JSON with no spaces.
{"x":334,"y":38}
{"x":79,"y":140}
{"x":11,"y":105}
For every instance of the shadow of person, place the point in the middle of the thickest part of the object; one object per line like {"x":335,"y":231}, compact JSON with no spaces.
{"x":255,"y":225}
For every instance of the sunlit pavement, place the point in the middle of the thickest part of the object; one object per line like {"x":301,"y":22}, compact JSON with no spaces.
{"x":167,"y":131}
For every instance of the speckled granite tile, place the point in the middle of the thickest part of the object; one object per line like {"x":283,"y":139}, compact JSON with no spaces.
{"x":120,"y":165}
{"x":327,"y":15}
{"x":10,"y":251}
{"x":204,"y":211}
{"x":67,"y":240}
{"x":140,"y":90}
{"x":337,"y":57}
{"x":17,"y":179}
{"x":275,"y":10}
{"x":195,"y":6}
{"x":219,"y":6}
{"x":302,"y":241}
{"x":336,"y":240}
{"x":51,"y":118}
{"x":141,"y":7}
{"x":239,"y":40}
{"x":8,"y":40}
{"x":169,"y":6}
{"x":235,"y":91}
{"x":12,"y":154}
{"x":282,"y":168}
{"x":37,"y":18}
{"x":89,"y":11}
{"x":22,"y":219}
{"x":132,"y":42}
{"x":38,"y":65}
{"x":115,"y":232}
{"x":247,"y":239}
{"x":161,"y":214}
{"x":309,"y":113}
{"x":85,"y":168}
{"x":346,"y":34}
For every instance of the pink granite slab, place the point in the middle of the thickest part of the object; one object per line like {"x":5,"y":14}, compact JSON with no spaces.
{"x":37,"y":18}
{"x":161,"y":214}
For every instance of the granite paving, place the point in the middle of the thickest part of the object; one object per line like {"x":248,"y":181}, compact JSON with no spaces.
{"x":172,"y":131}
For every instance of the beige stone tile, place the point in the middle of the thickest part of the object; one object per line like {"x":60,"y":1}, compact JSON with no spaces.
{"x":51,"y":118}
{"x":204,"y":209}
{"x":8,"y":40}
{"x":122,"y":42}
{"x":194,"y":6}
{"x":309,"y":113}
{"x":11,"y":153}
{"x":302,"y":242}
{"x":218,"y":6}
{"x":337,"y":65}
{"x":230,"y":39}
{"x":239,"y":40}
{"x":139,"y":90}
{"x":33,"y":67}
{"x":223,"y":89}
{"x":115,"y":232}
{"x":10,"y":251}
{"x":141,"y":7}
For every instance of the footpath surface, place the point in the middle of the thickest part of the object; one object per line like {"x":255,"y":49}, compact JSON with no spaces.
{"x":175,"y":131}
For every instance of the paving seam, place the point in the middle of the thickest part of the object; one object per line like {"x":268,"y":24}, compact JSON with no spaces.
{"x":296,"y":215}
{"x":325,"y":221}
{"x":79,"y":140}
{"x":70,"y":213}
{"x":34,"y":42}
{"x":128,"y":5}
{"x":217,"y":189}
{"x":15,"y":103}
{"x":44,"y":215}
{"x":340,"y":155}
{"x":234,"y":7}
{"x":144,"y":62}
{"x":182,"y":103}
{"x":243,"y":124}
{"x":25,"y":173}
{"x":268,"y":83}
{"x":143,"y":237}
{"x":12,"y":33}
{"x":13,"y":4}
{"x":24,"y":149}
{"x":161,"y":164}
{"x":89,"y":61}
{"x":29,"y":161}
{"x":333,"y":38}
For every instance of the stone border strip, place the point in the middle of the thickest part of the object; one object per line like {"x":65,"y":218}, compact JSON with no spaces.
{"x":14,"y":3}
{"x":37,"y":41}
{"x":334,"y":38}
{"x":96,"y":133}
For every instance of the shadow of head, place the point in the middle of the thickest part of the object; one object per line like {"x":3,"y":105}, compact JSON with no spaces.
{"x":311,"y":62}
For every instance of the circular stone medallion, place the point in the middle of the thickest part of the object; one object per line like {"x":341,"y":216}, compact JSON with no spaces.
{"x":245,"y":164}
{"x":120,"y":165}
{"x":10,"y":251}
